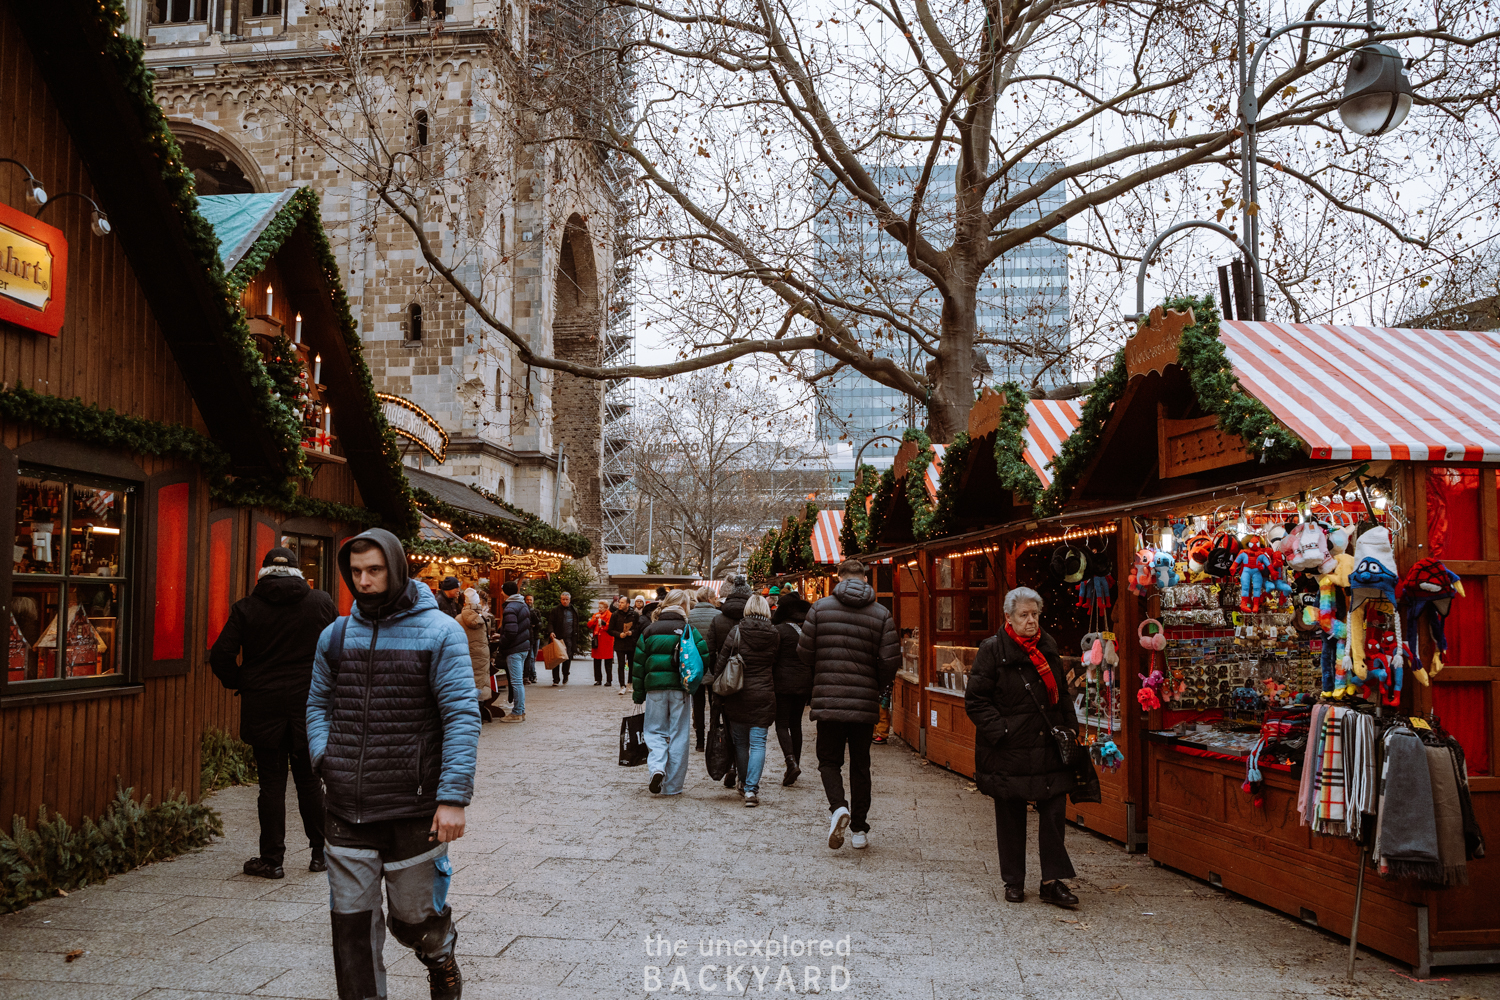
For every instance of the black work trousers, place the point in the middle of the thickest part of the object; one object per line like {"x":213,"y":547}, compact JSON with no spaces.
{"x":1010,"y":837}
{"x":789,"y":724}
{"x":270,"y":805}
{"x":832,"y":738}
{"x":700,"y":698}
{"x":622,"y":663}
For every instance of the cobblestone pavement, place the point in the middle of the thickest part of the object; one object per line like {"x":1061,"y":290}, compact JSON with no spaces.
{"x":570,"y":864}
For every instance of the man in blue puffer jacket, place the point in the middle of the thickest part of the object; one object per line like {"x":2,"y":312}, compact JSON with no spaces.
{"x":393,"y":730}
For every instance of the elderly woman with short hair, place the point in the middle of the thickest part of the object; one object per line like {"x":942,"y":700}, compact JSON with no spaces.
{"x":1016,"y":694}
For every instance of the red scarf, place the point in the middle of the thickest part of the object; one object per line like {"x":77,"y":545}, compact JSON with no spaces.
{"x":1043,"y":668}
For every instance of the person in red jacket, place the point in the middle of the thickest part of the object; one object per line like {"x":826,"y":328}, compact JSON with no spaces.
{"x":604,"y":646}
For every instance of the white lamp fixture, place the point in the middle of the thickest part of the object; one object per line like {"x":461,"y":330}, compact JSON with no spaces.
{"x":1168,"y":539}
{"x":1377,"y":94}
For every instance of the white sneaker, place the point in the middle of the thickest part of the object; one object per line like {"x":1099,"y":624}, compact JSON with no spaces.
{"x":837,"y":826}
{"x":859,"y":841}
{"x":622,"y":690}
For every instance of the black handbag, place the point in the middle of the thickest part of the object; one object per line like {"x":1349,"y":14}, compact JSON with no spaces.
{"x":1068,"y":747}
{"x":633,"y":749}
{"x":718,"y":754}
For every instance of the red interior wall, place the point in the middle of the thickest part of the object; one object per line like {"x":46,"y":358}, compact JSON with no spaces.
{"x":169,"y":634}
{"x":220,"y":566}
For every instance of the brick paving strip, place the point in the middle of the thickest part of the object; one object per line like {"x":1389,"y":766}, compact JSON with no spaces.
{"x":570,"y":864}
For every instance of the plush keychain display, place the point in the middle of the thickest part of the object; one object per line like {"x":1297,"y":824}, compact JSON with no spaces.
{"x":1425,"y":595}
{"x":1094,"y":593}
{"x":1093,"y":649}
{"x":1165,"y":569}
{"x":1153,"y":639}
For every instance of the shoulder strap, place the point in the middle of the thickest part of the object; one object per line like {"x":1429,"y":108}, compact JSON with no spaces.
{"x":336,"y":644}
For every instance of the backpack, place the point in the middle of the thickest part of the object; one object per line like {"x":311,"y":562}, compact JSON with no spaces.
{"x":686,"y":658}
{"x":1221,"y":556}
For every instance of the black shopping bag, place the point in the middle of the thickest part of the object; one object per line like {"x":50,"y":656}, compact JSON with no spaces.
{"x":718,"y":751}
{"x":633,"y":749}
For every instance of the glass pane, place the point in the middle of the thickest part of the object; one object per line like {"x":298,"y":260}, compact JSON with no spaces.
{"x":93,"y":637}
{"x":979,"y":614}
{"x":945,"y":574}
{"x":39,"y":525}
{"x":33,"y":631}
{"x":309,"y":553}
{"x":945,"y":614}
{"x":979,"y":573}
{"x":97,"y":532}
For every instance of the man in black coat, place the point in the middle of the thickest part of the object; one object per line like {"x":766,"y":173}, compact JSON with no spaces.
{"x":536,"y":639}
{"x":562,"y":623}
{"x":850,"y":642}
{"x":515,"y":647}
{"x":450,"y":599}
{"x":265,"y":654}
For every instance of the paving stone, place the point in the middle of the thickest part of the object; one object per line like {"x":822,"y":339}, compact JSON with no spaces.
{"x":571,"y":863}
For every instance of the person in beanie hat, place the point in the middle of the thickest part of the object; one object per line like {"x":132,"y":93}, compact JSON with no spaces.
{"x":449,"y":601}
{"x":265,"y":655}
{"x":393,"y":728}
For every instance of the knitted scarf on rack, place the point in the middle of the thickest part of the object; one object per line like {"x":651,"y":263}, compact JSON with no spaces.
{"x":1449,"y":816}
{"x":1329,"y":815}
{"x":1310,"y":761}
{"x":1359,"y":770}
{"x":1406,"y":839}
{"x":1043,"y":668}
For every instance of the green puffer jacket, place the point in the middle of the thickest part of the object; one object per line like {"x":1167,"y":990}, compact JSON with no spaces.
{"x":651,"y":665}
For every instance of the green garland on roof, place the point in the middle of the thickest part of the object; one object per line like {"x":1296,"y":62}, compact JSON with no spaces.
{"x":533,"y":533}
{"x":73,"y":418}
{"x":282,"y":496}
{"x":955,"y":462}
{"x":441,"y":549}
{"x":885,"y":491}
{"x":1079,"y":449}
{"x":303,"y":209}
{"x":795,"y":547}
{"x":761,"y":565}
{"x":1010,"y":446}
{"x":1201,"y":354}
{"x":917,"y":498}
{"x":278,"y":416}
{"x":856,"y":525}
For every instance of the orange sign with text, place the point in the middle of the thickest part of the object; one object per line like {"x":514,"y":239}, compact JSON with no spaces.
{"x":33,"y":272}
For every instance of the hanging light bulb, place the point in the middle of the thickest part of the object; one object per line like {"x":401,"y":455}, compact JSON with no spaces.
{"x":1168,"y":539}
{"x":1242,"y":527}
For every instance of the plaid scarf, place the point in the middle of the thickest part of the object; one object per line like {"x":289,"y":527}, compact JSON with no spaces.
{"x":1043,"y":668}
{"x":1330,"y":777}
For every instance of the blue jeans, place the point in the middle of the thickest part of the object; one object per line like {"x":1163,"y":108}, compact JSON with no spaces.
{"x":669,"y":721}
{"x":749,"y":752}
{"x":515,"y":666}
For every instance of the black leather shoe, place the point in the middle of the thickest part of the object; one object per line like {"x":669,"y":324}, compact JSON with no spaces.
{"x":656,"y":782}
{"x":261,"y":868}
{"x":1015,"y":894}
{"x":792,"y":771}
{"x":317,"y":864}
{"x":1058,"y":894}
{"x":444,"y":981}
{"x":729,"y":780}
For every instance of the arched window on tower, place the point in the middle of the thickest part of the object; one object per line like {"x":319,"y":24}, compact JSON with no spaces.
{"x":422,"y":137}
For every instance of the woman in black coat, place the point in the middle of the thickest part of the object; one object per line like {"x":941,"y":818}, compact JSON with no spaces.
{"x":625,"y":625}
{"x":1016,"y":693}
{"x":793,"y":682}
{"x":751,"y":710}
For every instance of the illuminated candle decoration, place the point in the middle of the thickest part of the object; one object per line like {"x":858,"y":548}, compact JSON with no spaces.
{"x":317,"y":369}
{"x":328,"y":428}
{"x":297,"y":335}
{"x":270,"y":300}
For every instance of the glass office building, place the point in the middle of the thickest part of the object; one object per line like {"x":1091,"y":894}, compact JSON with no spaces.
{"x":1023,"y":298}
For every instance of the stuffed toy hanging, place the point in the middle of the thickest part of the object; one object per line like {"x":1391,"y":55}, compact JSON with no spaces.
{"x":1141,"y":574}
{"x":1093,"y":651}
{"x":1165,"y":569}
{"x":1308,"y":548}
{"x":1199,"y":547}
{"x":1375,"y":646}
{"x":1426,"y":594}
{"x":1093,"y":594}
{"x":1152,"y":639}
{"x":1333,"y":611}
{"x":1254,"y":564}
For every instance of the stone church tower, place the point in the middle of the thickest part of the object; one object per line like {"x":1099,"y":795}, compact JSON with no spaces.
{"x":459,"y":114}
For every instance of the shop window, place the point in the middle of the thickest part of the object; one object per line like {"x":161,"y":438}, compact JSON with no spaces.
{"x":70,"y":577}
{"x":1454,"y":524}
{"x":220,"y":571}
{"x":312,"y":558}
{"x":422,"y":137}
{"x":422,"y":10}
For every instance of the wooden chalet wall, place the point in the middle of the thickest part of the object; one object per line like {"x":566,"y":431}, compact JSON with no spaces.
{"x":67,"y":749}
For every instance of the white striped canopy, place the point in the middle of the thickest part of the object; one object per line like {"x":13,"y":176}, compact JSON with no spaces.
{"x":825,"y":537}
{"x":1356,"y":392}
{"x":1049,"y":423}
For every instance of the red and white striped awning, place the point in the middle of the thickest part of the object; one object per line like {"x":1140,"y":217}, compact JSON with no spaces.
{"x":825,"y":537}
{"x":1049,"y":423}
{"x":935,"y":470}
{"x":1357,"y":392}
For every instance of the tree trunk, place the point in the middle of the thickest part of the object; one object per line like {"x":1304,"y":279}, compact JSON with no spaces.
{"x":952,"y":373}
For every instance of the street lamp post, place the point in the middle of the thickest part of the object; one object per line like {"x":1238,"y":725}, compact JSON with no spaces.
{"x":1377,"y":97}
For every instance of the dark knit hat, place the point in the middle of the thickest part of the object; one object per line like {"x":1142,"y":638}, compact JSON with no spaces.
{"x":279,"y":557}
{"x":449,"y":583}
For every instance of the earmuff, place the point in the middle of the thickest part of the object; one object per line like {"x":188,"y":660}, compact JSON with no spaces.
{"x":1151,"y":635}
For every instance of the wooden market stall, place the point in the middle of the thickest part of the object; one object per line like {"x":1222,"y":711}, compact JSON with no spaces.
{"x":1225,"y":431}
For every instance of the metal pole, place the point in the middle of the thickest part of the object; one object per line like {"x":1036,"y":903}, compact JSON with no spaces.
{"x":1359,"y":896}
{"x":650,"y":522}
{"x":1140,"y":277}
